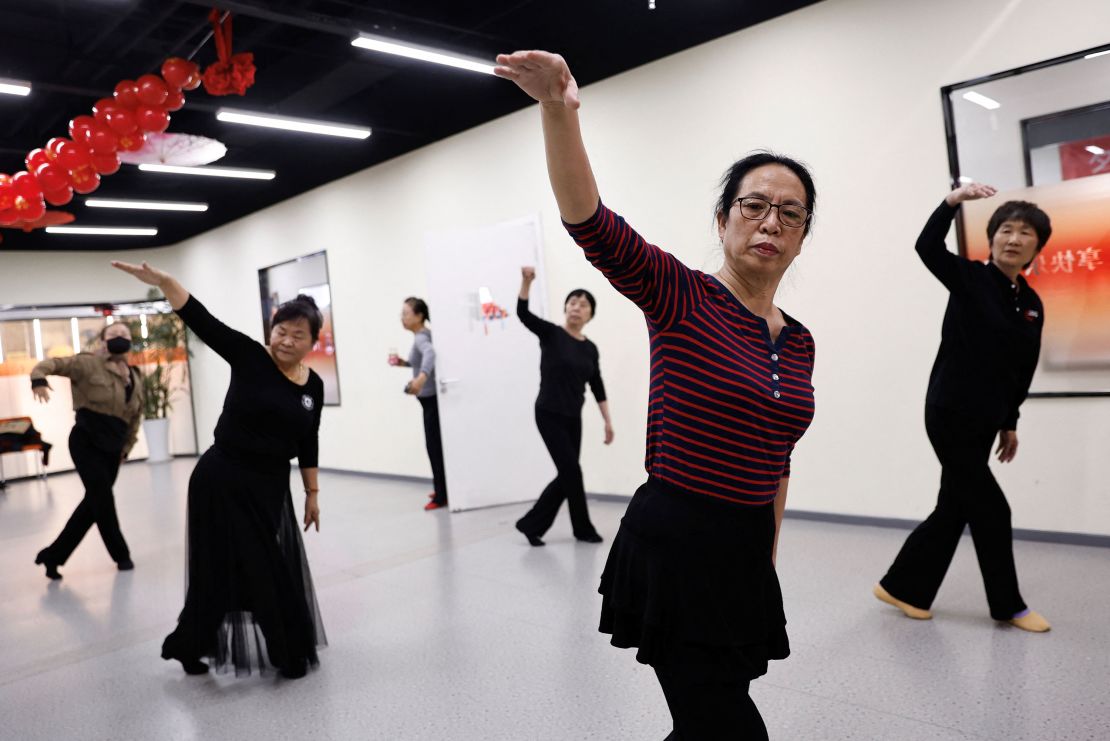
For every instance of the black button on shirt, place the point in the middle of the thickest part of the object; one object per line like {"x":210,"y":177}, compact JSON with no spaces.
{"x":991,"y":335}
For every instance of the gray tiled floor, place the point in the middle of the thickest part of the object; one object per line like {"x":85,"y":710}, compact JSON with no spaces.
{"x":451,"y":627}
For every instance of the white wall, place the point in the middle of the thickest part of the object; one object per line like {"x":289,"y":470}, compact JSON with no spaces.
{"x":863,"y":110}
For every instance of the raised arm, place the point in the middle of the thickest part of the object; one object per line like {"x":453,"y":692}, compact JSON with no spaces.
{"x":655,"y":280}
{"x":231,"y":345}
{"x":930,"y":246}
{"x":533,"y":323}
{"x":71,"y":367}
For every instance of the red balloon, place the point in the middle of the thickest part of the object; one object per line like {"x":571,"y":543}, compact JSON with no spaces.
{"x":194,"y":78}
{"x":152,"y":90}
{"x":174,"y":101}
{"x":152,"y":119}
{"x":177,"y":72}
{"x":30,"y":208}
{"x":105,"y":164}
{"x":51,"y":177}
{"x":102,"y":140}
{"x":52,"y":145}
{"x":37,"y":157}
{"x":127,"y":94}
{"x":102,"y":108}
{"x":24,"y":184}
{"x":84,"y":180}
{"x":121,"y":121}
{"x":132,"y":142}
{"x":59,"y":197}
{"x":9,"y":216}
{"x":7,"y":192}
{"x":78,"y":126}
{"x":71,"y":155}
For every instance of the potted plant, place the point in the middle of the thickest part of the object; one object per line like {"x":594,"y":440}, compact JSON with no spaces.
{"x":159,"y":346}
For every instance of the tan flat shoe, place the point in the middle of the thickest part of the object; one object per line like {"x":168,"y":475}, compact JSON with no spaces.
{"x":1033,"y":622}
{"x":913,"y":612}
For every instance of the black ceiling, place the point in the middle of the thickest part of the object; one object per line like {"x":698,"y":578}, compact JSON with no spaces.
{"x":75,"y":51}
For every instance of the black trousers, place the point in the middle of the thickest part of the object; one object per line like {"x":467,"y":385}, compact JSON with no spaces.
{"x":969,"y":495}
{"x":98,"y":470}
{"x":434,"y":443}
{"x":710,"y":710}
{"x":563,"y":437}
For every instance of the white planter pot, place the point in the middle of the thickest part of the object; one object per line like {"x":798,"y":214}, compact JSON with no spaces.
{"x":157,"y":439}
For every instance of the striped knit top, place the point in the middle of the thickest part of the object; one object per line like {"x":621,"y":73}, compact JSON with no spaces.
{"x":727,"y":404}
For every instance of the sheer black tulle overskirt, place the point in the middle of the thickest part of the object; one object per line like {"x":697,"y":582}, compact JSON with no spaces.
{"x":689,"y":583}
{"x":249,"y":601}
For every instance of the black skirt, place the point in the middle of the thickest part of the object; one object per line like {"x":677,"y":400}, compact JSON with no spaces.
{"x":249,"y":601}
{"x":689,"y":583}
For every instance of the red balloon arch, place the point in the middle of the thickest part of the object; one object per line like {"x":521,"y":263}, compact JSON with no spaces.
{"x":75,"y":164}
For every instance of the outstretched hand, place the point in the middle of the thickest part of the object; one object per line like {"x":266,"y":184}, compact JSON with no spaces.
{"x":528,"y":274}
{"x":970,"y":192}
{"x":543,"y":75}
{"x":42,"y":393}
{"x":147,"y":274}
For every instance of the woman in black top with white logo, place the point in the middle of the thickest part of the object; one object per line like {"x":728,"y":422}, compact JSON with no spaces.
{"x":568,"y":361}
{"x":250,"y":601}
{"x":990,"y":341}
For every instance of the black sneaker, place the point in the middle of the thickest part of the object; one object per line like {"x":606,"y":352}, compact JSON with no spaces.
{"x":51,"y":567}
{"x":125,"y":565}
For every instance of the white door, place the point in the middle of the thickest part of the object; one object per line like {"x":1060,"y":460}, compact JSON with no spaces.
{"x":487,"y":363}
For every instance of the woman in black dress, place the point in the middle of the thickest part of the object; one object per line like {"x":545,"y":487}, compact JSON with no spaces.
{"x":250,"y":600}
{"x":990,"y":342}
{"x":690,"y":579}
{"x":568,"y":361}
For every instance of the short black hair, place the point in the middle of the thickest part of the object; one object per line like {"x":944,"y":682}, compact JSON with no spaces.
{"x":730,"y":182}
{"x":1025,"y":211}
{"x":584,"y":294}
{"x":419,"y":306}
{"x":302,"y":307}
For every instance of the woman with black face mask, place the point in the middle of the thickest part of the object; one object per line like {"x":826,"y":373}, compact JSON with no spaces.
{"x":108,"y":400}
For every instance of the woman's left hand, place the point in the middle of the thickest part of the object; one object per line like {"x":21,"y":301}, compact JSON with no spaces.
{"x":1007,"y":445}
{"x":608,"y":433}
{"x":311,"y":512}
{"x":416,"y":385}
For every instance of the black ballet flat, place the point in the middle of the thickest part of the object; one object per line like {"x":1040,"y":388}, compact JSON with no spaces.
{"x":51,"y":568}
{"x":192,"y":667}
{"x":127,"y":565}
{"x":595,"y":538}
{"x":533,"y":540}
{"x":296,"y":671}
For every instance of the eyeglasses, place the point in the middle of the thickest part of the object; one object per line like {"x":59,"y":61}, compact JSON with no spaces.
{"x":757,"y":209}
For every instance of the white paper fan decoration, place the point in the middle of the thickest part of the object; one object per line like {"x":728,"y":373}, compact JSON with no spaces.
{"x":175,"y":149}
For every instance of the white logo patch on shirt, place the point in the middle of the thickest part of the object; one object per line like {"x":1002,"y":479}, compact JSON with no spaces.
{"x":307,"y":402}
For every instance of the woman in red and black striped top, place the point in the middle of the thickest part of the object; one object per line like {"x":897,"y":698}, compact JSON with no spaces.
{"x":690,"y":580}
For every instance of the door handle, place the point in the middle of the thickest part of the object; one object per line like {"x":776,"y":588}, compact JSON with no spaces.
{"x":445,"y":382}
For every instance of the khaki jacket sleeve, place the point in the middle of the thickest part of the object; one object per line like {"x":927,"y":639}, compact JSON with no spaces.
{"x":136,"y":418}
{"x":72,"y":368}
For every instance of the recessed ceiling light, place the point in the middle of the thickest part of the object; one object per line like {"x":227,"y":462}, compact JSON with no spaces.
{"x":119,"y":231}
{"x":1097,"y":54}
{"x":218,"y":172}
{"x":422,"y":53}
{"x":978,"y":99}
{"x":1095,"y":150}
{"x":14,"y":87}
{"x":291,"y":124}
{"x":145,"y":205}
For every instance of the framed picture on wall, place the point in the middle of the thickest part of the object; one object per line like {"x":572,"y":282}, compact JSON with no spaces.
{"x":1041,"y":133}
{"x":307,"y":275}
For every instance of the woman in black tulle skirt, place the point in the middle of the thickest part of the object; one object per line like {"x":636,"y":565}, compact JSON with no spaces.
{"x":249,"y":601}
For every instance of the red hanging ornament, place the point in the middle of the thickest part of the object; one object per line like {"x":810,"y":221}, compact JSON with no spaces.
{"x":59,"y":197}
{"x":233,"y":73}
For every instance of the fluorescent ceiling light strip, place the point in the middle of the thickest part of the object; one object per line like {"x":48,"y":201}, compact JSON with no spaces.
{"x":119,"y":231}
{"x":422,"y":53}
{"x":1095,"y":150}
{"x":145,"y":205}
{"x":304,"y":125}
{"x":76,"y":334}
{"x":217,"y":172}
{"x":1097,"y":54}
{"x":15,"y":87}
{"x":36,"y":325}
{"x":978,"y":99}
